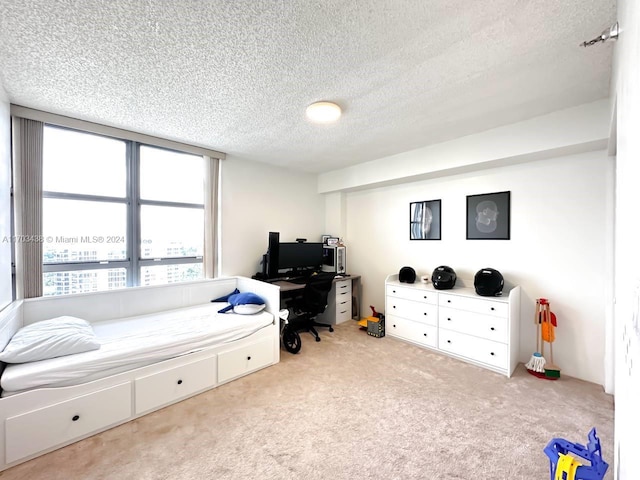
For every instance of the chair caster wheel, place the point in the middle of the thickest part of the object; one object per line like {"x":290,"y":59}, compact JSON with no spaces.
{"x":331,"y":329}
{"x":317,"y":339}
{"x":291,"y":340}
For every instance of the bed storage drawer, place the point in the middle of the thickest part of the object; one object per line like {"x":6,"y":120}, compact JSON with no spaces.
{"x":45,"y":428}
{"x":242,"y":360}
{"x":162,"y":388}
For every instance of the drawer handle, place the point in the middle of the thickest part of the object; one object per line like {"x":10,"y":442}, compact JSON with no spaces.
{"x":248,"y":358}
{"x":343,"y":286}
{"x":425,"y":334}
{"x":394,"y":326}
{"x":492,"y":309}
{"x":492,"y":354}
{"x":394,"y":306}
{"x":394,"y":291}
{"x":492,"y":329}
{"x":424,"y":296}
{"x":448,"y":341}
{"x":179,"y":382}
{"x":448,"y":301}
{"x":425,"y":313}
{"x":448,"y":319}
{"x":344,"y":311}
{"x":76,"y":418}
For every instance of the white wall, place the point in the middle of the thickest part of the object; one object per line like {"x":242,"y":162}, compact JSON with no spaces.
{"x":335,"y":214}
{"x":627,"y":255}
{"x":258,"y":199}
{"x":557,"y":247}
{"x":5,"y":209}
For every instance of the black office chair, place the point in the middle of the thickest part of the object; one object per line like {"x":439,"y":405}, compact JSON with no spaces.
{"x":312,"y":303}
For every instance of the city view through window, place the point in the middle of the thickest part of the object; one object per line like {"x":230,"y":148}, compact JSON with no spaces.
{"x":87,"y":208}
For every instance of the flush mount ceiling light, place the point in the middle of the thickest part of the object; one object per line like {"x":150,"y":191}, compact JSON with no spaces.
{"x":323,"y":112}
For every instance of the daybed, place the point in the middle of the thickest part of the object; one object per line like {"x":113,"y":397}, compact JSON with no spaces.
{"x":158,"y":345}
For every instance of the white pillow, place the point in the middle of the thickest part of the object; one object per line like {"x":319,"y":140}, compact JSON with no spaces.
{"x":51,"y":338}
{"x":249,"y":308}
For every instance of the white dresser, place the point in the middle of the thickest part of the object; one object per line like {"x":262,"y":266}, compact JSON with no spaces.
{"x":458,"y":322}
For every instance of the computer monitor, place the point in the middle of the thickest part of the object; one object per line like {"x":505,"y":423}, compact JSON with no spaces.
{"x":300,"y":256}
{"x":272,"y":257}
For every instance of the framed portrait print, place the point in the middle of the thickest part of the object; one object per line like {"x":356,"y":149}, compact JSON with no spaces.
{"x":488,"y":216}
{"x":424,"y":220}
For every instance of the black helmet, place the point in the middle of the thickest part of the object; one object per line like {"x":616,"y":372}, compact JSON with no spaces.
{"x":488,"y":282}
{"x":407,"y":275}
{"x":443,"y":278}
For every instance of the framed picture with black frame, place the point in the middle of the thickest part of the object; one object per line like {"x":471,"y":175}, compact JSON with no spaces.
{"x":489,"y":216}
{"x":425,"y":220}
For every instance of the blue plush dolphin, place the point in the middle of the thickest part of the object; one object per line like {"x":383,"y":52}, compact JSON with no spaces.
{"x":242,"y":303}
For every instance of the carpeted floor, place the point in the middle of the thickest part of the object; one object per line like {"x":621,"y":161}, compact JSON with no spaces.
{"x":349,"y":407}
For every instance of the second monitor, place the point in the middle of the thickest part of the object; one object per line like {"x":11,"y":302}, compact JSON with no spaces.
{"x":300,"y":257}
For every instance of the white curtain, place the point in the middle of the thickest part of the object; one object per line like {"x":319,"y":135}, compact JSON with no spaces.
{"x":211,"y":188}
{"x":27,"y":163}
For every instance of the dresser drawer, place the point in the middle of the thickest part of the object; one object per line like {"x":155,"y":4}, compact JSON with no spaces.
{"x":242,"y":360}
{"x":474,"y":348}
{"x":165,"y":387}
{"x":342,"y":297}
{"x":66,"y":421}
{"x":413,"y":331}
{"x":485,"y":326}
{"x":477,"y":305}
{"x":417,"y":311}
{"x":343,"y":311}
{"x":415,"y":294}
{"x":342,"y":287}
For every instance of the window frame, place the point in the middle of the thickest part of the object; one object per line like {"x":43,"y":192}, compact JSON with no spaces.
{"x":136,"y":225}
{"x":134,"y":262}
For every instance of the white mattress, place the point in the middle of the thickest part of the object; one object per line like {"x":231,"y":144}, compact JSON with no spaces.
{"x":134,"y":342}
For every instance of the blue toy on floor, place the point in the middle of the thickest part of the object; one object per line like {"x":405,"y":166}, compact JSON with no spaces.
{"x":567,"y":467}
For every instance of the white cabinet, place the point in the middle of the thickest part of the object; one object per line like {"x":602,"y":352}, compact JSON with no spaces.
{"x":338,"y":303}
{"x":458,"y":322}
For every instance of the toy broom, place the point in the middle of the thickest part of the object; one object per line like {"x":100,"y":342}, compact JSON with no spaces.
{"x":551,"y":370}
{"x":535,"y":365}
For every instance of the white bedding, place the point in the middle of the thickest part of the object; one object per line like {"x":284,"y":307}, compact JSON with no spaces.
{"x":134,"y":342}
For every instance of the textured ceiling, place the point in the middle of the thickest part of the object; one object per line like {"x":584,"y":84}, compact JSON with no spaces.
{"x":236,"y":76}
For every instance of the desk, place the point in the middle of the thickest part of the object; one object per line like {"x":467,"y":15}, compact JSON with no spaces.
{"x":343,"y":302}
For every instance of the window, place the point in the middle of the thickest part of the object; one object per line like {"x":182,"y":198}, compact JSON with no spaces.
{"x":119,"y":213}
